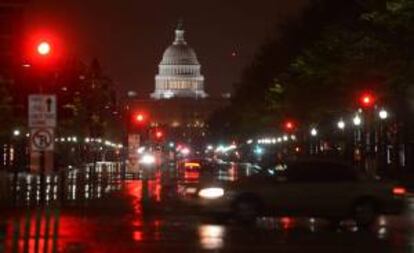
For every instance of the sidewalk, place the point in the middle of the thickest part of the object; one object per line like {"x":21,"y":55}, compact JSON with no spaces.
{"x":109,"y":224}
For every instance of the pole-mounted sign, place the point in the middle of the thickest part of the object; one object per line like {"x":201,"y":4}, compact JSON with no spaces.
{"x":42,"y":111}
{"x":42,"y":122}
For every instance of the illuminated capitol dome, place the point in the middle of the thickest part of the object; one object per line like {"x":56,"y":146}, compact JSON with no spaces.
{"x":179,"y":71}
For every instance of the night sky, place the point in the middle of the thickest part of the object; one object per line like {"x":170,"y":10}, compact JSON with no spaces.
{"x":129,"y":36}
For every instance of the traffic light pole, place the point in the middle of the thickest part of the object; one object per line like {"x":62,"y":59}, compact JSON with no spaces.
{"x":42,"y":169}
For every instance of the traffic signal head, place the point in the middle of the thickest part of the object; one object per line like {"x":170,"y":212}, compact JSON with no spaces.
{"x":289,"y":126}
{"x":44,"y":48}
{"x":138,"y":121}
{"x":159,"y":134}
{"x":367,"y":99}
{"x":139,"y":118}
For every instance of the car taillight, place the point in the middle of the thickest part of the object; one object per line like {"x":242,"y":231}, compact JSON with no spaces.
{"x":399,"y":191}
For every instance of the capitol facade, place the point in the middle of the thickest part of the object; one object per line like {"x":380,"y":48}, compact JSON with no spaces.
{"x":179,"y":72}
{"x":179,"y":105}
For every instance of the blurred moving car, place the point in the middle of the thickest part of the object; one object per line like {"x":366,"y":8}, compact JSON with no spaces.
{"x":308,"y":188}
{"x":193,"y":163}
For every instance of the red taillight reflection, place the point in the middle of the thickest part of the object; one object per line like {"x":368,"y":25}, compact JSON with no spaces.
{"x":399,"y":191}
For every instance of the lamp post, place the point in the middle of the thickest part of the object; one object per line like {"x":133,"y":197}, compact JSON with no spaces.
{"x":367,"y":101}
{"x":343,"y":139}
{"x":357,"y":139}
{"x":16,"y":146}
{"x":382,"y":140}
{"x":314,"y":141}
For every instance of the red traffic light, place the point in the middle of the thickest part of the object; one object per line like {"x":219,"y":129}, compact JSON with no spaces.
{"x":159,"y":134}
{"x":367,"y":100}
{"x":44,"y":48}
{"x":289,"y":125}
{"x":140,"y":118}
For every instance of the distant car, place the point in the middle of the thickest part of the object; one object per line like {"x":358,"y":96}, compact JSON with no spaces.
{"x":308,"y":188}
{"x":194,"y":164}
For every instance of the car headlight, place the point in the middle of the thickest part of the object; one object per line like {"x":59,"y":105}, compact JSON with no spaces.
{"x":191,"y":190}
{"x":211,"y":193}
{"x":147,"y":159}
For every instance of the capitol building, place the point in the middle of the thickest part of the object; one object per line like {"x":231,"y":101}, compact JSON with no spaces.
{"x":179,"y":71}
{"x":179,"y":103}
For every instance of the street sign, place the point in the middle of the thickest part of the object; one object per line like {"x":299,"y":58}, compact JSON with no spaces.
{"x":42,"y":139}
{"x":133,"y":157}
{"x":42,"y":111}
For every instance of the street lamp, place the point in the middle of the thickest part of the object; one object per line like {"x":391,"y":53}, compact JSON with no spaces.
{"x":341,"y":124}
{"x":16,"y":132}
{"x":357,"y":120}
{"x":258,"y":150}
{"x":383,"y":114}
{"x":314,"y":132}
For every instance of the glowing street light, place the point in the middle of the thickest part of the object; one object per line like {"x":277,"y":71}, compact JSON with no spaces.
{"x":16,"y":132}
{"x":357,"y":120}
{"x":258,"y":150}
{"x":314,"y":132}
{"x":341,"y":124}
{"x":383,"y":114}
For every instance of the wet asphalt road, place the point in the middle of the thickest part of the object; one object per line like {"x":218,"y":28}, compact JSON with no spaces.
{"x":117,"y":223}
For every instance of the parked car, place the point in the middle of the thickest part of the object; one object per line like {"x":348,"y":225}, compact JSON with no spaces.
{"x":308,"y":188}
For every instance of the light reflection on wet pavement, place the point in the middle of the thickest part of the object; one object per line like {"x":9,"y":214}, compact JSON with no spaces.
{"x":118,"y":222}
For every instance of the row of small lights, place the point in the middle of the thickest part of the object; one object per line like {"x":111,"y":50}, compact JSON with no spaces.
{"x":341,"y":124}
{"x":357,"y":121}
{"x":274,"y":140}
{"x":74,"y":139}
{"x":91,"y":140}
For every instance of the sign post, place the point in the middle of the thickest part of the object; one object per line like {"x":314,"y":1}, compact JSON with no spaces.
{"x":42,"y":123}
{"x":133,"y":157}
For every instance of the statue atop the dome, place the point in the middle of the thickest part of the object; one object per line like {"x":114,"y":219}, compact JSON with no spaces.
{"x":180,"y":25}
{"x":179,"y":34}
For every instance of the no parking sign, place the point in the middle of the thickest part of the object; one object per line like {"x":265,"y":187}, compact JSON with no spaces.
{"x":42,"y":139}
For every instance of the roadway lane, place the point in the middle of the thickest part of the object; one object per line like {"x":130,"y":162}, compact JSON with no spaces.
{"x":118,"y":222}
